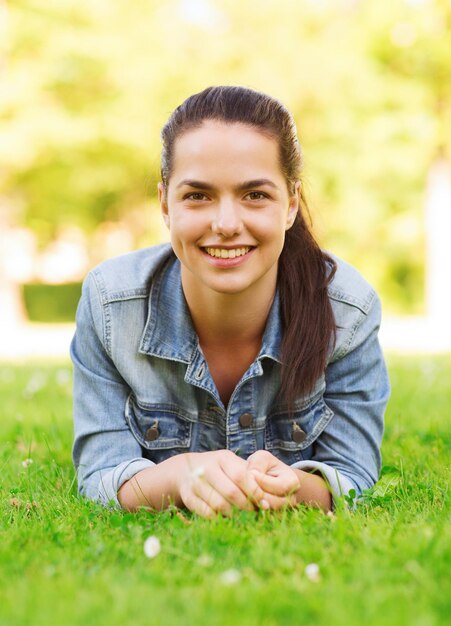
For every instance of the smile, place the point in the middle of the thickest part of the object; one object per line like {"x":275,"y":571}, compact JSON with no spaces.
{"x":223,"y":253}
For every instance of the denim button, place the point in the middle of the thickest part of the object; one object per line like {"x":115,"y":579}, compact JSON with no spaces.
{"x":298,"y":435}
{"x":152,"y":433}
{"x":246,"y":420}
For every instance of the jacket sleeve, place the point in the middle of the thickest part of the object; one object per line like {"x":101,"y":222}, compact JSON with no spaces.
{"x":347,"y":452}
{"x":105,"y":453}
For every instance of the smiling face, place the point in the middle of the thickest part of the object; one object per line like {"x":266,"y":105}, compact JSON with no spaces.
{"x":227,"y":208}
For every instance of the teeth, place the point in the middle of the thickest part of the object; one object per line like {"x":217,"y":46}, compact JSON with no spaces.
{"x":222,"y":253}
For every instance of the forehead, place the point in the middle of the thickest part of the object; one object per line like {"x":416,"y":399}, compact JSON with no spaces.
{"x":218,"y":149}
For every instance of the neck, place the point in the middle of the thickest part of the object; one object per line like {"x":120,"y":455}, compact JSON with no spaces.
{"x":225,"y":320}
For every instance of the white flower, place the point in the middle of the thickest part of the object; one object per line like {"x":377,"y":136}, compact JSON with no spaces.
{"x":230,"y":577}
{"x":152,"y":547}
{"x":312,"y":572}
{"x":27,"y":462}
{"x":198,"y":472}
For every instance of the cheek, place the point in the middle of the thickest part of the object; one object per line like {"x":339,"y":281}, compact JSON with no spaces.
{"x":186,"y":226}
{"x":271,"y":229}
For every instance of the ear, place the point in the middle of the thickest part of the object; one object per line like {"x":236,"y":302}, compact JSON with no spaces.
{"x":293,"y":207}
{"x":163,"y":203}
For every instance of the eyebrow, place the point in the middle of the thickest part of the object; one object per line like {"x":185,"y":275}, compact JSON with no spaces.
{"x":249,"y":184}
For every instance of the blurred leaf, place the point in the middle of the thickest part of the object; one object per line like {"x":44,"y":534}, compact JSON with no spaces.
{"x":368,"y":83}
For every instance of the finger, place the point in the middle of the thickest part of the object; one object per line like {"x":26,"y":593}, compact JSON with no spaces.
{"x":261,"y":460}
{"x":234,"y":493}
{"x":281,"y":485}
{"x":207,"y":492}
{"x":267,"y":500}
{"x":254,"y":491}
{"x":217,"y":477}
{"x":199,"y":506}
{"x":251,"y":492}
{"x":275,"y":502}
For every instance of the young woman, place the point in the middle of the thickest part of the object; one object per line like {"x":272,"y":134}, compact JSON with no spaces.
{"x":238,"y":366}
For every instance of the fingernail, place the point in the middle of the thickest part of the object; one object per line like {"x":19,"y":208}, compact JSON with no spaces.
{"x":264,"y":504}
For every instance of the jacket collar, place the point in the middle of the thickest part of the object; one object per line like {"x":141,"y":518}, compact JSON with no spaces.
{"x":169,"y":332}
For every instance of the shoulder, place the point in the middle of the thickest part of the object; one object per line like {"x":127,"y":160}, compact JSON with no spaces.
{"x":129,"y":275}
{"x":349,"y":287}
{"x":356,"y":307}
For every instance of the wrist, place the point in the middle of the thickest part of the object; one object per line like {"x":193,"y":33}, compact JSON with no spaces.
{"x":177,"y":467}
{"x":298,"y":493}
{"x":313,"y":490}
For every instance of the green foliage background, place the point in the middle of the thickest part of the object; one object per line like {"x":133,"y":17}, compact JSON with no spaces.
{"x":86,"y":86}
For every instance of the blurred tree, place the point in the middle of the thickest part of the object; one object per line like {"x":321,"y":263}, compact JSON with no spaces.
{"x":11,"y":310}
{"x":81,"y":111}
{"x":413,"y":47}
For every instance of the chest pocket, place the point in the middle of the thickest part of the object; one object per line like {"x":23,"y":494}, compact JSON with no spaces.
{"x":162,"y":431}
{"x":291,"y":437}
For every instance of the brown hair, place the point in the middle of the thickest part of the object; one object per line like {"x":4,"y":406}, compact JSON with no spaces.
{"x":304,"y":270}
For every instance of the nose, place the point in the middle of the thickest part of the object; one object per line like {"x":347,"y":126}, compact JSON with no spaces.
{"x":227,"y":220}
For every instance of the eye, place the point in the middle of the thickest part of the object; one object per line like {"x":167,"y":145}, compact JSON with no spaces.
{"x":257,"y":195}
{"x":194,"y":195}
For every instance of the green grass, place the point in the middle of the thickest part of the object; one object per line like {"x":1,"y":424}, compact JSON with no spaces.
{"x":67,"y":561}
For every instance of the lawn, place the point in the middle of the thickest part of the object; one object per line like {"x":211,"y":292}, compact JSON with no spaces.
{"x":67,"y":561}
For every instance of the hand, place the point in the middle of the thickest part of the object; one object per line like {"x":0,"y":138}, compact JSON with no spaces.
{"x":214,"y":482}
{"x":278,"y":480}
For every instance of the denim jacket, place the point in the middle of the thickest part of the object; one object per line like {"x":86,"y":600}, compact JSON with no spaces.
{"x":143,"y":391}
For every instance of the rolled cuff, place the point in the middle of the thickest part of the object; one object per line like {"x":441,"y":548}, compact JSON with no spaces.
{"x":112,"y":481}
{"x":338,"y":484}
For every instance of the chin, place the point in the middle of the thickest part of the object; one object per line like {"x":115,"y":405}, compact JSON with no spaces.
{"x":229,"y":287}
